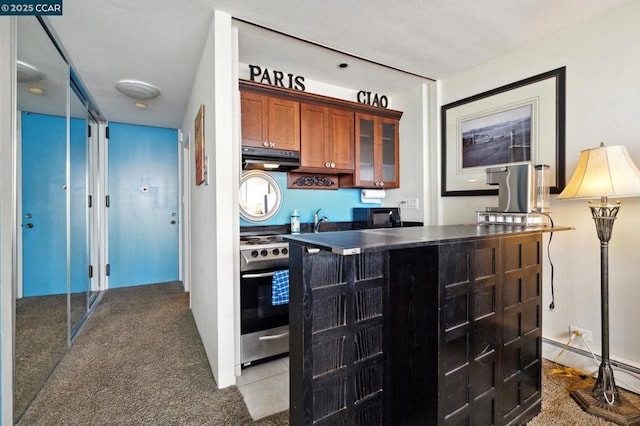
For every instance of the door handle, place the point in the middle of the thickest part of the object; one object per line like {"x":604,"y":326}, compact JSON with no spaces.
{"x":173,"y":222}
{"x":263,"y":275}
{"x":29,"y":225}
{"x":273,"y":336}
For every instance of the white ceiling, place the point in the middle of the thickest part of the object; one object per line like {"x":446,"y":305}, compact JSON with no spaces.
{"x":161,"y":41}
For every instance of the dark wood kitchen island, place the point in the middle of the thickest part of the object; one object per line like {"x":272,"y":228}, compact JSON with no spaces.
{"x":432,"y":325}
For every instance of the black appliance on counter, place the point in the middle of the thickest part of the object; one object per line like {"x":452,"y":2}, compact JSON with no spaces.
{"x":264,"y":327}
{"x":376,"y":217}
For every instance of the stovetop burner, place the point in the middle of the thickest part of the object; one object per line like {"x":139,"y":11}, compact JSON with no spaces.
{"x":260,"y":239}
{"x":263,"y":252}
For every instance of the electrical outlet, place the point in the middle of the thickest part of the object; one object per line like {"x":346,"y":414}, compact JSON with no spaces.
{"x":586,"y":334}
{"x":410,"y":204}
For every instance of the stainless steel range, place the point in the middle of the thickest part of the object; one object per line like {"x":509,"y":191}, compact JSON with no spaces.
{"x":264,"y":324}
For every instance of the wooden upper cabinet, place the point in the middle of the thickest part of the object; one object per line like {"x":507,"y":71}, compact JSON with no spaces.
{"x":376,"y":153}
{"x":334,"y":136}
{"x":326,"y":139}
{"x":270,"y":122}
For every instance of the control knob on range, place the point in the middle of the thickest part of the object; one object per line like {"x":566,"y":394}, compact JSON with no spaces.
{"x":254,"y":253}
{"x":285,"y":250}
{"x":263,"y":252}
{"x":275,"y":252}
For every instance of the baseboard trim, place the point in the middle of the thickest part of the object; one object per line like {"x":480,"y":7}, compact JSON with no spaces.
{"x":627,"y":376}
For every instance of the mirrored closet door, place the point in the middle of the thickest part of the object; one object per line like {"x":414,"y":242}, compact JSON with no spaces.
{"x":41,"y":321}
{"x":55,"y":286}
{"x":78,"y":167}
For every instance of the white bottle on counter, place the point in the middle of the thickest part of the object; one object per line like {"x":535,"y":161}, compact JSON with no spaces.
{"x":295,"y":222}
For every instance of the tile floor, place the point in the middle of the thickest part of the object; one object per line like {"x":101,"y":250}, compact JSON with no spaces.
{"x":265,"y":387}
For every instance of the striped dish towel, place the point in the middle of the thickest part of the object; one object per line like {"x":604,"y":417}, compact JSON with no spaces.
{"x":280,"y":288}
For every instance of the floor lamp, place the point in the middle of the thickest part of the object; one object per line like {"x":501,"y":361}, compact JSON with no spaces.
{"x":603,"y":172}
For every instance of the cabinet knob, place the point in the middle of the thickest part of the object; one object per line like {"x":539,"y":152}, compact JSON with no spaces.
{"x":272,"y":144}
{"x":333,"y":165}
{"x":327,"y":164}
{"x":265,"y":144}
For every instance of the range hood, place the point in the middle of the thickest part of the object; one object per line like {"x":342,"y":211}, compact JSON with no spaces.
{"x":275,"y":160}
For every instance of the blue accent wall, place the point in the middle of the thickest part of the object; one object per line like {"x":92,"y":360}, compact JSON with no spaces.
{"x":143,"y":188}
{"x":78,"y":214}
{"x":44,"y":146}
{"x":335,"y":204}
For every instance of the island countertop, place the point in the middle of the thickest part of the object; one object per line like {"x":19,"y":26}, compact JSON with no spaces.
{"x":368,"y":240}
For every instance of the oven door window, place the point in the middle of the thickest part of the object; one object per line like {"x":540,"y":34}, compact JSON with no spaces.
{"x":257,"y":311}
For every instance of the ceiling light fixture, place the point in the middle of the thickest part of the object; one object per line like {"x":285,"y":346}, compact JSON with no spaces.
{"x":36,"y":90}
{"x":27,"y":73}
{"x":343,"y":65}
{"x":138,"y":90}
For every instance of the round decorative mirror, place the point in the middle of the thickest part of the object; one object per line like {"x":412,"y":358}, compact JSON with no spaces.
{"x":260,"y":196}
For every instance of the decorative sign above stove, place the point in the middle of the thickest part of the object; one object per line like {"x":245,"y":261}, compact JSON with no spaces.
{"x":372,"y":99}
{"x":276,"y":78}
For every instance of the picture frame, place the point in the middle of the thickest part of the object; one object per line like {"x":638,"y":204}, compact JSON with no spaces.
{"x":199,"y":146}
{"x":522,"y":122}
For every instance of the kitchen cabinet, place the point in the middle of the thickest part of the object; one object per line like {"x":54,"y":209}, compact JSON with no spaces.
{"x":270,"y":121}
{"x":358,"y":142}
{"x":326,"y":139}
{"x":426,"y":325}
{"x":377,"y":153}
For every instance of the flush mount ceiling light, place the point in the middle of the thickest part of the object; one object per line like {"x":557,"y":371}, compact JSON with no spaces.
{"x":36,"y":90}
{"x":27,"y":73}
{"x":138,"y":90}
{"x":343,"y":65}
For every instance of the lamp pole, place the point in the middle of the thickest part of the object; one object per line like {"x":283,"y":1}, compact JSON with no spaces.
{"x":604,"y":216}
{"x":602,"y":172}
{"x":604,"y":400}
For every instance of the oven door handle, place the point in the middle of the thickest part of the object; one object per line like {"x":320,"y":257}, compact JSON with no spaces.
{"x":262,"y":275}
{"x":274,"y":336}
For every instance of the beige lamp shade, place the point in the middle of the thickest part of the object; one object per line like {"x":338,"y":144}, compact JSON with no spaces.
{"x":606,"y":171}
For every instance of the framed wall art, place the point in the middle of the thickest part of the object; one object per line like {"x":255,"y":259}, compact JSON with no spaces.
{"x":199,"y":135}
{"x":523,"y":122}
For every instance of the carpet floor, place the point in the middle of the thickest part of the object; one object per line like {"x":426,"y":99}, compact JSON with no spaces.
{"x":139,"y":361}
{"x":40,"y":340}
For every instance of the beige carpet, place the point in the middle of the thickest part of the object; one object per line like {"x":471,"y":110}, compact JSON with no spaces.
{"x":40,"y":341}
{"x":558,"y":409}
{"x":140,"y":361}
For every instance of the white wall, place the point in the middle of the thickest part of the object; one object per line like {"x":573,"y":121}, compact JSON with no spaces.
{"x":214,"y":221}
{"x":414,"y":143}
{"x":602,"y":105}
{"x":7,"y":214}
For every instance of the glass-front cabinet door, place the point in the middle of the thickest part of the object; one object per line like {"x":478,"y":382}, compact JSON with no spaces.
{"x":390,"y":151}
{"x":365,"y":168}
{"x":376,"y":152}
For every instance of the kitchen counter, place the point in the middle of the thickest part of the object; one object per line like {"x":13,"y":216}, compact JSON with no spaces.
{"x":438,"y":325}
{"x":382,"y":239}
